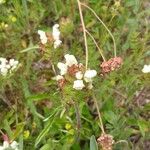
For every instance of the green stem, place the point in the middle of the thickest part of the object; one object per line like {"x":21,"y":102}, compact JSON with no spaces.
{"x":103,"y":25}
{"x":99,"y":114}
{"x":100,"y":51}
{"x":84,"y":32}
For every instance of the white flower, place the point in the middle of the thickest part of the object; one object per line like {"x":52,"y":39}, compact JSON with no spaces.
{"x":12,"y":146}
{"x":57,"y":43}
{"x":58,"y":77}
{"x":70,"y":60}
{"x":7,"y":66}
{"x":56,"y":36}
{"x":89,"y":74}
{"x":13,"y":64}
{"x":5,"y":145}
{"x":43,"y":36}
{"x":79,"y":75}
{"x":78,"y":84}
{"x":56,"y":32}
{"x":146,"y":69}
{"x":3,"y":62}
{"x":4,"y":71}
{"x":63,"y":68}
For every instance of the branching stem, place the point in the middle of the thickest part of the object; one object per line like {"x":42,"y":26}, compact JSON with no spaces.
{"x":99,"y":114}
{"x":103,"y":25}
{"x":100,"y":51}
{"x":84,"y":32}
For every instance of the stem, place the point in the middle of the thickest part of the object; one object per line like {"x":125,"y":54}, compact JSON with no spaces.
{"x":100,"y":51}
{"x":78,"y":119}
{"x":1,"y":132}
{"x":103,"y":25}
{"x":99,"y":115}
{"x":84,"y":32}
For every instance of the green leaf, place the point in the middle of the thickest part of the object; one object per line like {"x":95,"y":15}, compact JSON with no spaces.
{"x":44,"y":132}
{"x":93,"y":143}
{"x":38,"y":97}
{"x":143,"y":125}
{"x":29,"y":49}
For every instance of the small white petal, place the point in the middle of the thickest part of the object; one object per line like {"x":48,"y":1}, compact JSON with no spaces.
{"x":57,"y":43}
{"x":89,"y":74}
{"x":43,"y":36}
{"x":58,"y":77}
{"x":4,"y":71}
{"x":5,"y":144}
{"x":2,"y":148}
{"x":146,"y":69}
{"x":8,"y":66}
{"x":14,"y":145}
{"x":63,"y":68}
{"x":79,"y":75}
{"x":78,"y":84}
{"x":70,"y":60}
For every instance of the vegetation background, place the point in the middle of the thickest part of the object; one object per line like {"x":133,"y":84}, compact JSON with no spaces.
{"x":28,"y":96}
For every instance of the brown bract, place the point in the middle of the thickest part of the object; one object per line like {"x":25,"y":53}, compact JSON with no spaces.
{"x":74,"y":69}
{"x":106,"y":141}
{"x":111,"y":64}
{"x":50,"y":37}
{"x":61,"y":83}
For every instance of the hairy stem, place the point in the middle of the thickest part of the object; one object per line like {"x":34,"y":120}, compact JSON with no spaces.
{"x":103,"y":25}
{"x":84,"y":32}
{"x":99,"y":114}
{"x":100,"y":51}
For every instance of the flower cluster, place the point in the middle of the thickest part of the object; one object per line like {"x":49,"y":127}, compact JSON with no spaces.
{"x":7,"y":66}
{"x":12,"y":146}
{"x":111,"y":64}
{"x":106,"y":141}
{"x":55,"y":35}
{"x":146,"y":69}
{"x":76,"y":70}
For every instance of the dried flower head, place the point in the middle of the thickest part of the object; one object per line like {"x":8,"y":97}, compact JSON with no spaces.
{"x":111,"y":64}
{"x":106,"y":141}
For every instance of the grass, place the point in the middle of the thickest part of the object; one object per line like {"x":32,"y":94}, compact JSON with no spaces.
{"x":38,"y":115}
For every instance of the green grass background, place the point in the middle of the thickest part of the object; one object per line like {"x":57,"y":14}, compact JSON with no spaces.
{"x":29,"y":95}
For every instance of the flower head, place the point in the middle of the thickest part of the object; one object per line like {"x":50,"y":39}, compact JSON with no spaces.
{"x":111,"y":64}
{"x":7,"y":66}
{"x":146,"y":69}
{"x":75,"y":70}
{"x":106,"y":141}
